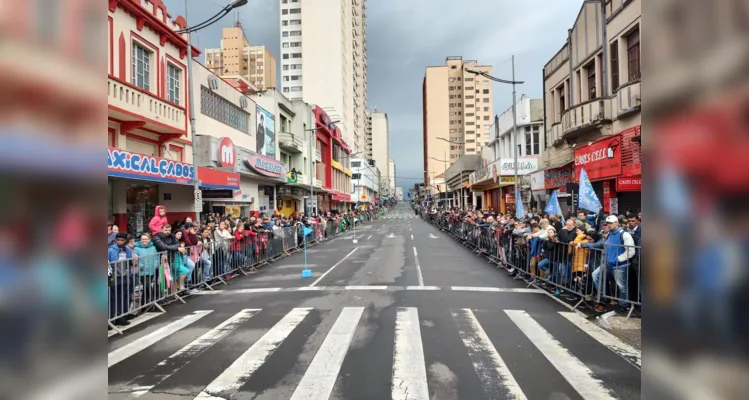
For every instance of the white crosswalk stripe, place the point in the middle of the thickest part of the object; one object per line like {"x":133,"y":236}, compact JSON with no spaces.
{"x":320,"y":379}
{"x":400,"y":216}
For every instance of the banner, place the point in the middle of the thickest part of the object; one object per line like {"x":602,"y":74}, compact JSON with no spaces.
{"x":552,"y":207}
{"x":520,"y":210}
{"x":587,"y":198}
{"x":266,"y":133}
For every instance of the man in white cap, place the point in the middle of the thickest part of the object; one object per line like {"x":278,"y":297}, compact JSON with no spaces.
{"x":619,"y":248}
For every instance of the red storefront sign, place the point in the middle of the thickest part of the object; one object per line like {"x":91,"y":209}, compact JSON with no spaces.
{"x":558,"y":177}
{"x":629,"y":184}
{"x":602,"y":159}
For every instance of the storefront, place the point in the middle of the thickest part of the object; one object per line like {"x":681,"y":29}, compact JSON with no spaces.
{"x":558,"y":179}
{"x":138,"y":183}
{"x":538,"y":196}
{"x":259,"y":176}
{"x":606,"y":161}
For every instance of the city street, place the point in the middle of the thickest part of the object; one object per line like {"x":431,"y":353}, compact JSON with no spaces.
{"x":404,"y":313}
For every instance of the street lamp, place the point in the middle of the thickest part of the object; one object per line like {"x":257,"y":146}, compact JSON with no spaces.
{"x":463,"y":198}
{"x":513,"y":82}
{"x":308,"y":210}
{"x":210,"y":21}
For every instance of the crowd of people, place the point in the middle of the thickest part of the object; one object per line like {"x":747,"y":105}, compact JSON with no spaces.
{"x":568,"y":256}
{"x":172,"y":258}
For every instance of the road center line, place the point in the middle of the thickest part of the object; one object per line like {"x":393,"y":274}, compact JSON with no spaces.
{"x":333,"y":267}
{"x":412,"y":236}
{"x":418,"y":267}
{"x":370,"y":237}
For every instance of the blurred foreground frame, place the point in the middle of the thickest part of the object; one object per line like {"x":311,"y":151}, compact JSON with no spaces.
{"x":696,"y":105}
{"x":53,"y":197}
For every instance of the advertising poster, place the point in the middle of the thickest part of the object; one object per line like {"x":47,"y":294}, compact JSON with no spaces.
{"x":266,"y":133}
{"x":234,"y":211}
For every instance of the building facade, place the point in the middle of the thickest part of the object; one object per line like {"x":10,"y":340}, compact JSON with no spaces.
{"x":592,"y":105}
{"x":365,"y":182}
{"x":379,"y":140}
{"x":391,"y":178}
{"x":457,"y":107}
{"x":332,"y":164}
{"x":150,"y":159}
{"x":237,"y":58}
{"x":323,"y":59}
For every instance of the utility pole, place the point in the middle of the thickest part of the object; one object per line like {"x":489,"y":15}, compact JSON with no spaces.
{"x":515,"y":134}
{"x":191,"y":106}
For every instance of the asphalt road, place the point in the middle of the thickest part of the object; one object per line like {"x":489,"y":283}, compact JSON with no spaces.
{"x":404,"y":313}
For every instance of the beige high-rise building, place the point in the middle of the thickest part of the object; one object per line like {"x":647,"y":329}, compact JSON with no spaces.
{"x":236,"y":57}
{"x":457,"y":106}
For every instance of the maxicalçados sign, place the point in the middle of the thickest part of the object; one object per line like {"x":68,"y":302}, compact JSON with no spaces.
{"x":126,"y":164}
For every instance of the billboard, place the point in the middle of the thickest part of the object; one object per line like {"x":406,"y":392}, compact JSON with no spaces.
{"x":266,"y":133}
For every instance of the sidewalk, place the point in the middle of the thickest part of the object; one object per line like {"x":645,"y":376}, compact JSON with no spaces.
{"x":628,"y":330}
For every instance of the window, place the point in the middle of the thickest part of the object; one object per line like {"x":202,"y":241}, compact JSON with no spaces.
{"x":452,"y":88}
{"x":284,"y":12}
{"x":487,"y":126}
{"x":296,"y":55}
{"x":614,"y":65}
{"x":485,"y":91}
{"x":470,"y":149}
{"x":224,"y":111}
{"x":469,"y":105}
{"x":173,"y":76}
{"x":469,"y":96}
{"x":633,"y":54}
{"x":485,"y":100}
{"x":141,"y":67}
{"x":295,"y":11}
{"x":528,"y":141}
{"x":469,"y":114}
{"x":295,"y":22}
{"x":536,"y":144}
{"x":486,"y":109}
{"x":469,"y":79}
{"x":470,"y":141}
{"x":452,"y":67}
{"x":486,"y":117}
{"x":284,"y":23}
{"x":452,"y":96}
{"x":469,"y":87}
{"x":296,"y":66}
{"x":285,"y":45}
{"x":296,"y":44}
{"x":460,"y":96}
{"x":285,"y":67}
{"x":591,"y":71}
{"x":295,"y":33}
{"x":470,"y":123}
{"x":285,"y":56}
{"x":286,"y":90}
{"x":285,"y":78}
{"x":451,"y":79}
{"x":296,"y":88}
{"x":285,"y":34}
{"x":355,"y":164}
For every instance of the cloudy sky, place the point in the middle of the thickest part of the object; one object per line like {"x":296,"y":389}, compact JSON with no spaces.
{"x":405,"y":36}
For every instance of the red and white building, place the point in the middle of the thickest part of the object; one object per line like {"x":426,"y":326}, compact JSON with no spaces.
{"x":150,"y":153}
{"x":332,"y":158}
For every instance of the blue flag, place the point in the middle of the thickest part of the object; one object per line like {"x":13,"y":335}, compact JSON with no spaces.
{"x":552,"y":207}
{"x":306,"y":231}
{"x":587,"y":198}
{"x":520,"y":210}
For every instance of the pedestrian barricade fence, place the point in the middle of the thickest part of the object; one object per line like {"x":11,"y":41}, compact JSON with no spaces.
{"x":591,"y":273}
{"x":150,"y":280}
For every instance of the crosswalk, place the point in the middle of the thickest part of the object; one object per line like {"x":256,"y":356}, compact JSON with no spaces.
{"x":153,"y":359}
{"x":400,"y":216}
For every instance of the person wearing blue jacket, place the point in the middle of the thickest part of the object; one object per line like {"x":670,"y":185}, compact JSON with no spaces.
{"x":121,"y":285}
{"x":148,"y":262}
{"x":619,"y":248}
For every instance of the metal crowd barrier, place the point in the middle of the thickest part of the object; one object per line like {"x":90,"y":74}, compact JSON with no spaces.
{"x":590,"y":273}
{"x":154,"y":278}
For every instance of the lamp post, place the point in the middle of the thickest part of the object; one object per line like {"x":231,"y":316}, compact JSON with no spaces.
{"x":463,"y":200}
{"x":513,"y":82}
{"x":308,"y":209}
{"x":191,"y":98}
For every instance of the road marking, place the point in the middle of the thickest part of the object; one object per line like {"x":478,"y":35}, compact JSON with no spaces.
{"x":116,"y":356}
{"x":580,"y":377}
{"x":183,"y":356}
{"x":243,"y":367}
{"x":412,"y":237}
{"x":135,"y":322}
{"x":629,"y":353}
{"x":495,"y":376}
{"x":370,"y":237}
{"x":389,"y":288}
{"x":409,"y":380}
{"x":409,"y":229}
{"x":319,"y":380}
{"x":333,"y":267}
{"x":418,"y":267}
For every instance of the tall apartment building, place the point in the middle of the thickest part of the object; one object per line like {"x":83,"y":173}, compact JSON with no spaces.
{"x":236,"y":57}
{"x":378,"y":139}
{"x":391,"y":177}
{"x":457,"y":106}
{"x":324,"y":61}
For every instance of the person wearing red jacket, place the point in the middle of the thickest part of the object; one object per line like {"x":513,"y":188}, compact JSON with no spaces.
{"x":158,"y":221}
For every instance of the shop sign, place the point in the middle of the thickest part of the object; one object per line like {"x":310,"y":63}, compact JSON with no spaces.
{"x":217,"y":179}
{"x":602,"y":159}
{"x":537,"y":180}
{"x":526,"y":165}
{"x":510,"y":198}
{"x":227,"y":153}
{"x":629,"y":184}
{"x":266,"y":166}
{"x":125,"y":164}
{"x":558,"y":177}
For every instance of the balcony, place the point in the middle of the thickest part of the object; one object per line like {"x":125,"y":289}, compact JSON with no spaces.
{"x":318,"y":183}
{"x":586,"y":117}
{"x":137,"y":108}
{"x":318,"y":156}
{"x":628,"y":98}
{"x":291,"y":143}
